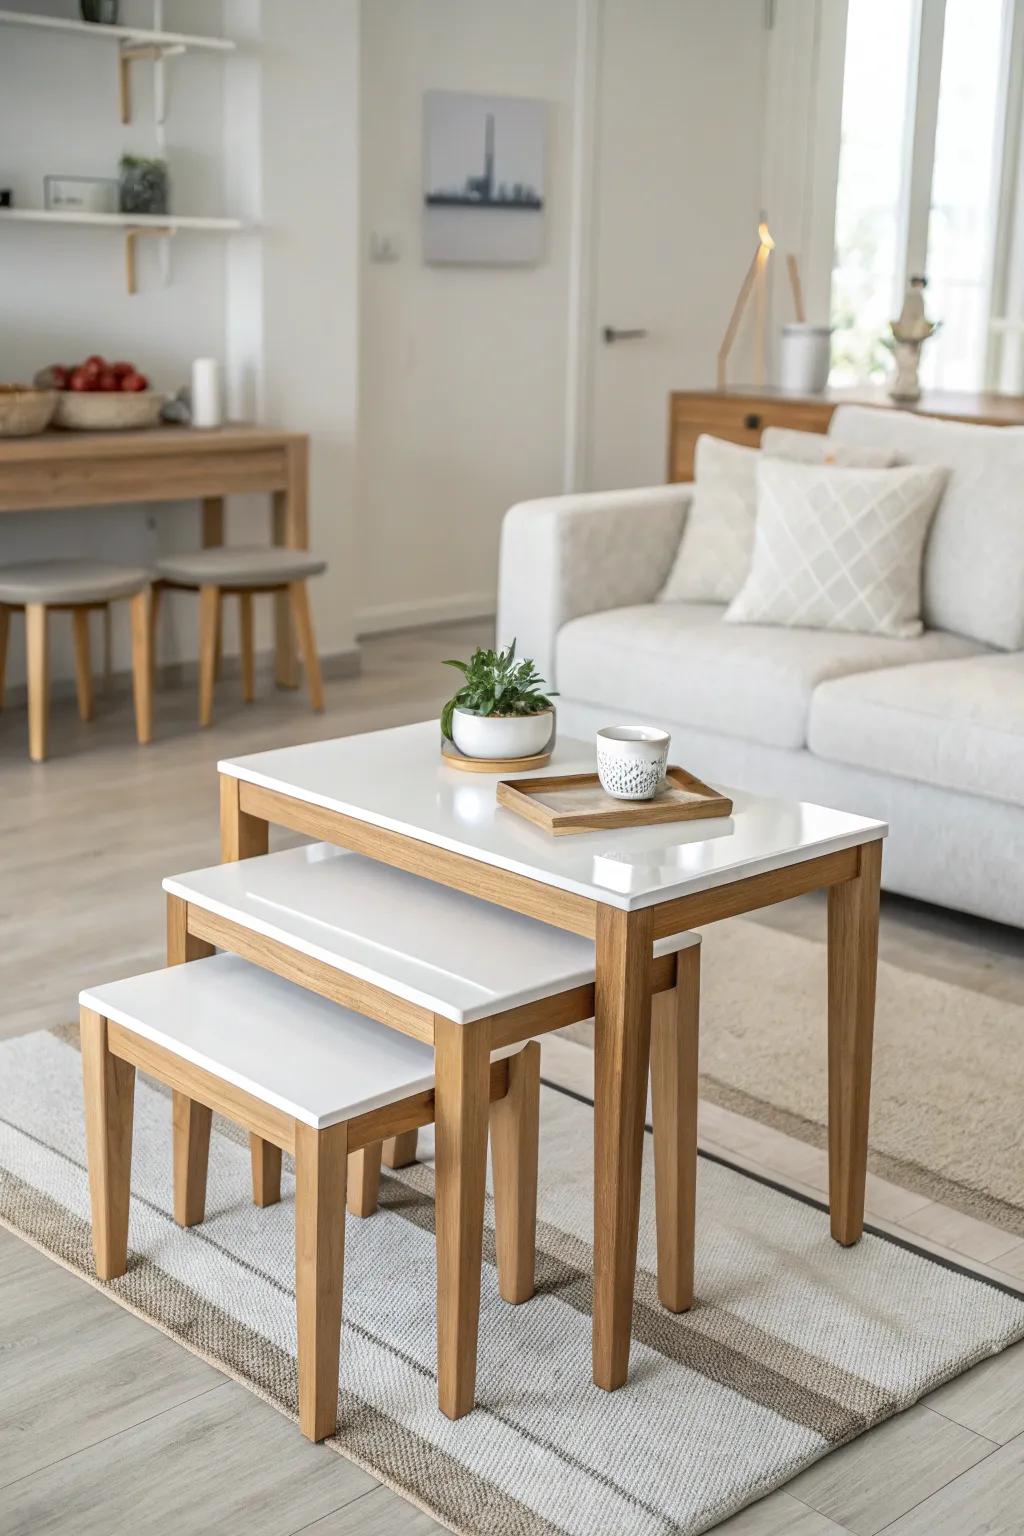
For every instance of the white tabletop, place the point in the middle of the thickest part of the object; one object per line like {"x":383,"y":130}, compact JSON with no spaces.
{"x":449,"y":953}
{"x":396,"y":779}
{"x":278,"y":1042}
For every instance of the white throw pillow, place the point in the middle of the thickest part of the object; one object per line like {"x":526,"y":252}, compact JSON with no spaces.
{"x":839,"y":548}
{"x":819,"y":448}
{"x":714,"y":553}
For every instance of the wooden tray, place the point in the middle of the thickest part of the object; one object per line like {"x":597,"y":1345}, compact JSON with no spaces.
{"x":575,"y":802}
{"x":455,"y":759}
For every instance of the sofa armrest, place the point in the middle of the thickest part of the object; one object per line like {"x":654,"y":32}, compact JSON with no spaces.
{"x":565,"y":556}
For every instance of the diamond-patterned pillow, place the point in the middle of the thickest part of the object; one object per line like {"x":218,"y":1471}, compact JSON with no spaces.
{"x":718,"y":538}
{"x":839,"y":548}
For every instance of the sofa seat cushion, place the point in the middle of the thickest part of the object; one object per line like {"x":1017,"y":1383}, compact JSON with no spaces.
{"x":956,"y":725}
{"x":678,"y":662}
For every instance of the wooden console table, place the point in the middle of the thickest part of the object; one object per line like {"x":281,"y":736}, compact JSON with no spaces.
{"x":74,"y":469}
{"x":741,"y":414}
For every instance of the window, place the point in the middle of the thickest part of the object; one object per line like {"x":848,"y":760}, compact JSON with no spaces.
{"x":868,"y":266}
{"x":923,"y":125}
{"x":965,"y":184}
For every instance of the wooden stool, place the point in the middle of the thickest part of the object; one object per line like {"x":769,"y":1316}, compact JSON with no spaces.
{"x":318,"y":1081}
{"x":77,"y":587}
{"x":423,"y":958}
{"x":244,"y":573}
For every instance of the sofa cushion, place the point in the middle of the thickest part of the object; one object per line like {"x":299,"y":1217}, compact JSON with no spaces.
{"x":973,"y":579}
{"x":954,"y":724}
{"x":715,"y":551}
{"x":839,"y":548}
{"x":679,"y":662}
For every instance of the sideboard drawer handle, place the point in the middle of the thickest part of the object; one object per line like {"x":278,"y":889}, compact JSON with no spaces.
{"x":752,"y":422}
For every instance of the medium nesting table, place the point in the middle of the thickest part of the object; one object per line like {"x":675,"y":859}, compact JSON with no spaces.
{"x":387,"y":795}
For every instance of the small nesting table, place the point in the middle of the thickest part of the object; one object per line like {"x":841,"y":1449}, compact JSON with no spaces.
{"x":388,"y":796}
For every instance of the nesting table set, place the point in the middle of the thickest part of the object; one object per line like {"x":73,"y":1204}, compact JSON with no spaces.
{"x":601,"y":928}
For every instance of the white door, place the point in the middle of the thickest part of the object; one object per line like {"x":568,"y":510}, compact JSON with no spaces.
{"x":678,"y":122}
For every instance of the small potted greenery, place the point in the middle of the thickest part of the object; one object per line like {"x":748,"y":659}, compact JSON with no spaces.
{"x":501,"y":709}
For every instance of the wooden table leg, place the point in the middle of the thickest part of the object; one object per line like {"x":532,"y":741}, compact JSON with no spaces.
{"x":265,"y":1160}
{"x":142,"y":666}
{"x":5,"y":629}
{"x":38,"y":664}
{"x":320,"y":1170}
{"x":83,"y":665}
{"x":241,"y":836}
{"x":190,"y":1122}
{"x":462,"y":1098}
{"x":209,"y":641}
{"x":212,"y":522}
{"x":246,"y":837}
{"x":400,"y":1151}
{"x":290,"y":528}
{"x":515,"y":1125}
{"x":109,"y":1102}
{"x":852,"y":974}
{"x":364,"y":1180}
{"x":622,"y":1041}
{"x":675,"y":1026}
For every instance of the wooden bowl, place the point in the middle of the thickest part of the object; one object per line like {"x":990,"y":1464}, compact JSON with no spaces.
{"x":25,"y":410}
{"x":100,"y":411}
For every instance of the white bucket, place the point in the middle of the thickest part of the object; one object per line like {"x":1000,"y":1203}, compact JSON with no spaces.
{"x":805,"y":358}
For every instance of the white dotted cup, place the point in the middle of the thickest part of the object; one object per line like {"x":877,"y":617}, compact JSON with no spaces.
{"x":631,"y":760}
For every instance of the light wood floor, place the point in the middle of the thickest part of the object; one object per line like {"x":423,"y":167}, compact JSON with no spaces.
{"x":106,"y":1425}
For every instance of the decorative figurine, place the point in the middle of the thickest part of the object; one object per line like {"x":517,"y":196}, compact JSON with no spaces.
{"x":910,"y":332}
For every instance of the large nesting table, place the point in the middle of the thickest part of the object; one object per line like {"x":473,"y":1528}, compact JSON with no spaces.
{"x":387,"y":795}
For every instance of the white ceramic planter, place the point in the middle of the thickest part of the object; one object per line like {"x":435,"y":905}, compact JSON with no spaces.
{"x":501,"y":735}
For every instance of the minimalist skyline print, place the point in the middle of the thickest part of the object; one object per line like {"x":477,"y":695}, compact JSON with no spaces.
{"x":484,"y":163}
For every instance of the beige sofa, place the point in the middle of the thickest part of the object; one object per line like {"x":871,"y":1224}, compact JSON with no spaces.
{"x":927,"y":734}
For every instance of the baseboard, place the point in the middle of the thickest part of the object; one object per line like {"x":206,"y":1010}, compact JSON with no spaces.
{"x":440,"y":610}
{"x":185,"y":674}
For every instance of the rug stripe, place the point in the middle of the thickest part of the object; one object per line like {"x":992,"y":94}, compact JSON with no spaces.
{"x":387,"y":1450}
{"x":565,"y":1269}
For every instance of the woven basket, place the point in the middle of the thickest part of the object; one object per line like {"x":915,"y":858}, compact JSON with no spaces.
{"x":25,"y":411}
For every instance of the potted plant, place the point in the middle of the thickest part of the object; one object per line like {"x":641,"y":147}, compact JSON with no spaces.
{"x":501,"y":709}
{"x":144,"y":185}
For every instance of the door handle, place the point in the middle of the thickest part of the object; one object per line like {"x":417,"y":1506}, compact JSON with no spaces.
{"x":610,"y":334}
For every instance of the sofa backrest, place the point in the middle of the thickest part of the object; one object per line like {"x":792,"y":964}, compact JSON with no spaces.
{"x":973,"y":580}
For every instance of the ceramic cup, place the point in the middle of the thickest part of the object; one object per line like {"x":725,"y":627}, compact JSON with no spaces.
{"x":631,"y":760}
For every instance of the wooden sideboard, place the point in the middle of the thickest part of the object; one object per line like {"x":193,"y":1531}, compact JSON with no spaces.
{"x":741,"y":415}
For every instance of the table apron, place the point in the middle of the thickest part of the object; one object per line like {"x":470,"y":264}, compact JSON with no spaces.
{"x":682,"y":913}
{"x":94,"y":480}
{"x":533,"y":898}
{"x":509,"y":1027}
{"x":519,"y":893}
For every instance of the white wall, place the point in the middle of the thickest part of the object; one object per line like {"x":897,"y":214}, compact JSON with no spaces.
{"x":466,"y":395}
{"x":463,"y":368}
{"x":309,"y":158}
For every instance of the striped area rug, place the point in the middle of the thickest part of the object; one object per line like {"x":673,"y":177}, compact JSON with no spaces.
{"x":794,"y":1346}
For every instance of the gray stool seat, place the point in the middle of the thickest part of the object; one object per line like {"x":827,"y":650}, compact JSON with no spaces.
{"x":222,"y":567}
{"x":51,"y":582}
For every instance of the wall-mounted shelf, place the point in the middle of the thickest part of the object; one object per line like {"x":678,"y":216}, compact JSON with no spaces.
{"x":134,"y":44}
{"x":133,"y":225}
{"x":140,"y":36}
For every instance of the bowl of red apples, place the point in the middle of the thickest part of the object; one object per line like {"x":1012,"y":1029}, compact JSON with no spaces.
{"x":98,"y":396}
